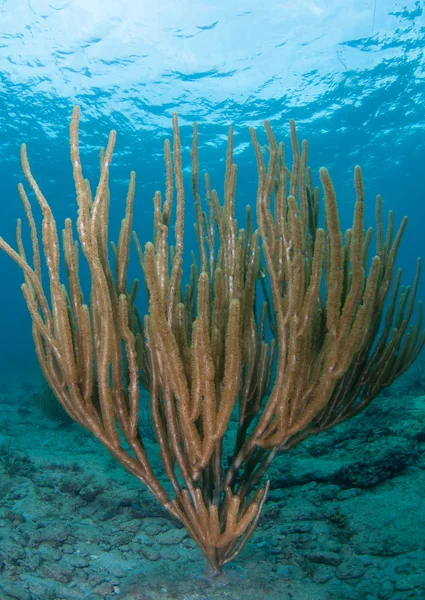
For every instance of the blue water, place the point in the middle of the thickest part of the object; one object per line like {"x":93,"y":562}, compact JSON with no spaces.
{"x":351,"y":73}
{"x":352,"y":77}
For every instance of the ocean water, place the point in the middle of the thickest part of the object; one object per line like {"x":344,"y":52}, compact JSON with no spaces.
{"x":352,"y":75}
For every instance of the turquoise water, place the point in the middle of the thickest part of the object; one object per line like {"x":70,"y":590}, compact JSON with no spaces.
{"x":353,"y":79}
{"x":352,"y":75}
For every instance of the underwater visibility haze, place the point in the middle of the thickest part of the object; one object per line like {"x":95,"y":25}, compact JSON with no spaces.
{"x":258,"y":372}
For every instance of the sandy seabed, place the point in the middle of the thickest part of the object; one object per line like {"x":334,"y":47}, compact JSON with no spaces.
{"x":345,"y":517}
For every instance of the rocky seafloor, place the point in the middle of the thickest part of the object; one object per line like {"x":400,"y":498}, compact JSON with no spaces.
{"x":344,"y":520}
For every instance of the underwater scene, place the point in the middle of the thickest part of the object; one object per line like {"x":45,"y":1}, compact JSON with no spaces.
{"x":212,"y":363}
